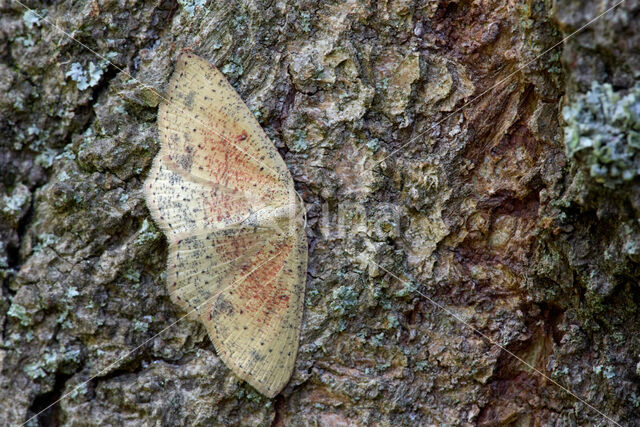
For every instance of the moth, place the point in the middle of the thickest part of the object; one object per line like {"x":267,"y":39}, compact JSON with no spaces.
{"x":226,"y":202}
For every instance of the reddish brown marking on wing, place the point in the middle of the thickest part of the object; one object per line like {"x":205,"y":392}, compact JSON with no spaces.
{"x":226,"y":145}
{"x":236,"y":245}
{"x":245,"y":172}
{"x":223,"y":206}
{"x":263,"y":289}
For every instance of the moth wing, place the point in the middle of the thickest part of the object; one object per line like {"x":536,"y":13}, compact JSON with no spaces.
{"x":209,"y":131}
{"x":247,"y":287}
{"x":181,"y":204}
{"x":202,"y":265}
{"x":255,"y":325}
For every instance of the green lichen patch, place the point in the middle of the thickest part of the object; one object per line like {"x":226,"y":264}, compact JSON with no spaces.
{"x":32,"y":18}
{"x":88,"y":78}
{"x":148,"y":233}
{"x":19,"y":312}
{"x":15,"y":205}
{"x":344,"y":300}
{"x":602,"y":133}
{"x":34,"y":371}
{"x":233,"y":69}
{"x":192,"y":6}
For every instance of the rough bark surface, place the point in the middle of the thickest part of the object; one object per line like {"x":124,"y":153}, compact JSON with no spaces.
{"x":496,"y":211}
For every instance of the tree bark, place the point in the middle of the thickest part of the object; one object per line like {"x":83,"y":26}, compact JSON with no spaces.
{"x":471,"y":195}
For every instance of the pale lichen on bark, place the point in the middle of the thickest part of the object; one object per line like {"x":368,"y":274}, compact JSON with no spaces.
{"x":481,"y":210}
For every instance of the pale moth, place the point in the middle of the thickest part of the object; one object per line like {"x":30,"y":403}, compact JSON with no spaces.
{"x":224,"y":198}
